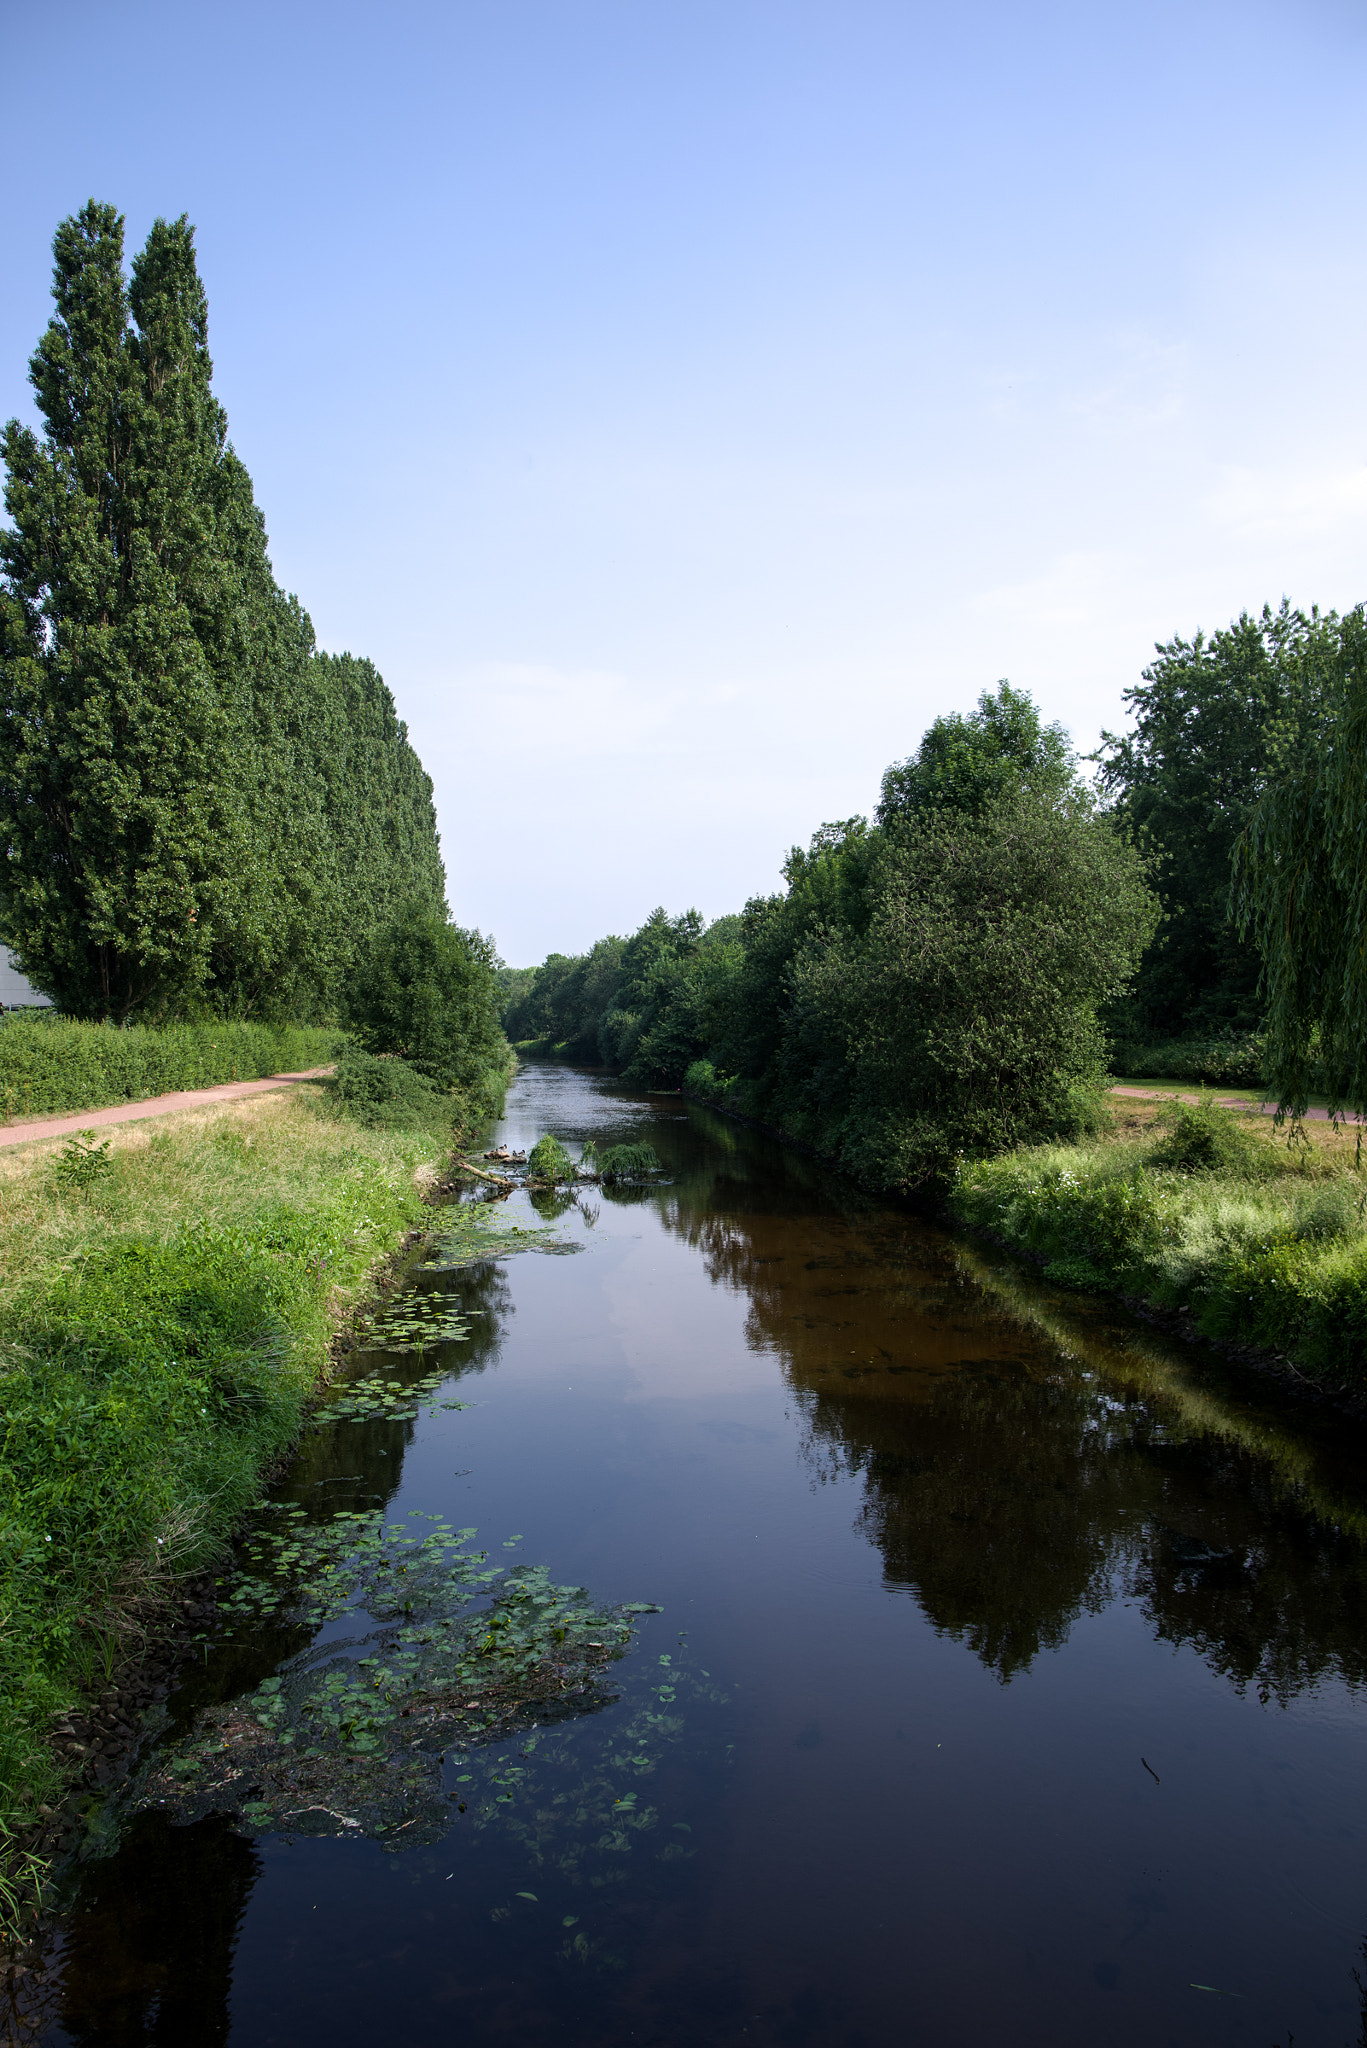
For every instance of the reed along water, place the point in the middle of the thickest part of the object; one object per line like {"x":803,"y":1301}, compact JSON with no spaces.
{"x":1007,"y":1685}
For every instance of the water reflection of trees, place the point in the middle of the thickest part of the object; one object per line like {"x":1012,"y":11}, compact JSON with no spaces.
{"x":149,"y":1957}
{"x":1022,"y":1465}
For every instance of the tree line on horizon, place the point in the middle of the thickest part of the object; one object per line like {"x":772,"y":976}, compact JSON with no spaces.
{"x":200,"y":814}
{"x":950,"y":977}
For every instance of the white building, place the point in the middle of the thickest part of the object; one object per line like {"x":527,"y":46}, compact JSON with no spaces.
{"x":14,"y":990}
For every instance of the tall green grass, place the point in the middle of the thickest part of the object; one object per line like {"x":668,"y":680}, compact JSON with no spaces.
{"x":162,"y":1326}
{"x":51,"y":1064}
{"x":1264,"y":1243}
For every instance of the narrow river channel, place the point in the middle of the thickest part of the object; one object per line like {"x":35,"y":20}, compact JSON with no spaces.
{"x":1006,"y":1688}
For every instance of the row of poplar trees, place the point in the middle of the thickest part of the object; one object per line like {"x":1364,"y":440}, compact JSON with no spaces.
{"x":199,"y":813}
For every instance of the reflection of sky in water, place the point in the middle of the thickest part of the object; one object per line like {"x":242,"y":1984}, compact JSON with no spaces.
{"x":958,"y":1552}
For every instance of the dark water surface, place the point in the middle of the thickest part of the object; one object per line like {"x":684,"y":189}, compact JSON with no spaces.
{"x":1015,"y":1680}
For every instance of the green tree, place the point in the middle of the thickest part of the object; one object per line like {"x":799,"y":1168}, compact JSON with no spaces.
{"x":1300,"y":877}
{"x":966,"y":764}
{"x":427,"y":992}
{"x":199,"y":811}
{"x":965,"y":1017}
{"x":120,"y":788}
{"x":1209,"y":716}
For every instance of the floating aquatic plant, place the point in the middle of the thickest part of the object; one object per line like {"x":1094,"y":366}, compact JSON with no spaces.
{"x":375,"y":1399}
{"x":350,"y":1734}
{"x":474,"y":1233}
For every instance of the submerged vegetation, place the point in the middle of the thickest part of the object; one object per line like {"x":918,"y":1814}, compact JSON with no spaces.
{"x":443,"y":1649}
{"x":1204,"y":1211}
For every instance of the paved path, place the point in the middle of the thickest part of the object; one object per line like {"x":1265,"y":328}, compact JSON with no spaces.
{"x":1320,"y":1116}
{"x":155,"y":1105}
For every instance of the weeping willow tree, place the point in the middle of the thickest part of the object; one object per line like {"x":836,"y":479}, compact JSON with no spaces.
{"x":1300,"y":883}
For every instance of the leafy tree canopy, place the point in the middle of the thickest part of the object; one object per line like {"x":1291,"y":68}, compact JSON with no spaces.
{"x":198,"y":813}
{"x":1209,"y":717}
{"x":967,"y":764}
{"x":427,"y":992}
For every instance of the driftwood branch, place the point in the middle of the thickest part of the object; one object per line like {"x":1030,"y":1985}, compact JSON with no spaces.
{"x":483,"y":1173}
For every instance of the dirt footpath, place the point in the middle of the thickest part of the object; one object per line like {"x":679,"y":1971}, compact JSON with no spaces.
{"x":33,"y":1128}
{"x":1320,"y":1116}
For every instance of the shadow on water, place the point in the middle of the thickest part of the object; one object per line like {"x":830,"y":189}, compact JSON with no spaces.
{"x":1081,"y":1532}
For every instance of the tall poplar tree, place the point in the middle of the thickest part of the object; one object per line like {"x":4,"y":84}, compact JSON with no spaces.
{"x":119,"y":813}
{"x":198,"y":812}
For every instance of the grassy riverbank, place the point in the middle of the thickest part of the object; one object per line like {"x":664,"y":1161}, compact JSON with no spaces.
{"x":1204,"y":1210}
{"x":165,"y":1314}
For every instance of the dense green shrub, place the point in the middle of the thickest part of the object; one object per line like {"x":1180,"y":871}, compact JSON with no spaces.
{"x":963,"y":1019}
{"x":427,"y":992}
{"x":549,"y":1161}
{"x":622,"y":1164}
{"x":385,"y":1093}
{"x":50,"y":1064}
{"x":1198,"y":1137}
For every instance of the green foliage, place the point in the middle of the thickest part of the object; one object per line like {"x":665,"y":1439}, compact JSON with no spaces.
{"x":623,"y":1163}
{"x":201,"y":814}
{"x":964,"y":1019}
{"x":82,"y":1164}
{"x":513,"y":984}
{"x":1233,"y":1062}
{"x":926,"y":987}
{"x":968,"y":764}
{"x":1201,"y":1138}
{"x":426,"y":992}
{"x":1301,"y":880}
{"x":1210,"y":717}
{"x":1261,"y":1244}
{"x":566,"y":999}
{"x":549,"y":1161}
{"x":644,"y":1006}
{"x":50,"y":1064}
{"x":154,"y":1368}
{"x":385,"y":1093}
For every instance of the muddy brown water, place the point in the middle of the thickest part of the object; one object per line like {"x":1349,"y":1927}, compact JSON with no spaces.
{"x":1013,"y":1686}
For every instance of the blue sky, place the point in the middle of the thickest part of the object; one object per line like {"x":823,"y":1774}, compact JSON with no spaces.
{"x":683,"y":404}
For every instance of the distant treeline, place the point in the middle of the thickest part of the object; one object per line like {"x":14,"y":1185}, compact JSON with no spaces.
{"x":199,"y":813}
{"x":951,"y":978}
{"x":928,"y":985}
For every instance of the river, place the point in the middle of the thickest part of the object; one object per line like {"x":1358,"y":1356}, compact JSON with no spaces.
{"x":1006,"y":1688}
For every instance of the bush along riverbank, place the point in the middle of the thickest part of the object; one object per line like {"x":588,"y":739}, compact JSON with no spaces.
{"x":166,"y":1309}
{"x":1256,"y":1240}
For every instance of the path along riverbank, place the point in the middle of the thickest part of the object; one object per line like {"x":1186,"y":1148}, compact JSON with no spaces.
{"x":29,"y":1130}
